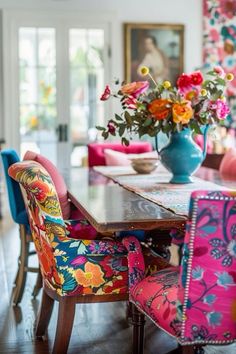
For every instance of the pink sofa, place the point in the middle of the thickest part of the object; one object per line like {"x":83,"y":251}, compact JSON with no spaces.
{"x":96,"y":150}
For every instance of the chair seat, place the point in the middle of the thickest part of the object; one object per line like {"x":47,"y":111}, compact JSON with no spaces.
{"x":156,"y":296}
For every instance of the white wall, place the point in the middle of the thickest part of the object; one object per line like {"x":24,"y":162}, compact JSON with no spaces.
{"x":187,"y":12}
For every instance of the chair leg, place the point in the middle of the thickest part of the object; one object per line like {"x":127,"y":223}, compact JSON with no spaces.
{"x":19,"y":283}
{"x":64,"y":325}
{"x":44,"y":315}
{"x":128,"y":311}
{"x":138,"y":321}
{"x":192,"y":349}
{"x":38,"y":285}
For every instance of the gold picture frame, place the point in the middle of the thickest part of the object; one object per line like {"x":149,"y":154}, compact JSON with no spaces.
{"x":158,"y":46}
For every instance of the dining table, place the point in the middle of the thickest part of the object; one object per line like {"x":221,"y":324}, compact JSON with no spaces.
{"x":115,"y":199}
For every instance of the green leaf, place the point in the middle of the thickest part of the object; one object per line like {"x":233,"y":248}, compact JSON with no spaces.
{"x":125,"y":141}
{"x":121,"y":129}
{"x":100,"y":128}
{"x":147,"y":122}
{"x":206,"y":83}
{"x":128,"y":118}
{"x":220,"y":81}
{"x":117,"y":117}
{"x":211,"y":73}
{"x":105,"y":135}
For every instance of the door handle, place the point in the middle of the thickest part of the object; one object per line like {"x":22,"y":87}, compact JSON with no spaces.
{"x":62,"y":133}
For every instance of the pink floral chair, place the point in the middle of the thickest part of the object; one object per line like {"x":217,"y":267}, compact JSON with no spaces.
{"x":195,"y":302}
{"x":74,"y":269}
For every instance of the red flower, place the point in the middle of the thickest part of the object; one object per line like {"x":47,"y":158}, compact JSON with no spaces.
{"x":111,"y":127}
{"x":106,"y":94}
{"x":184,"y":82}
{"x":196,"y":78}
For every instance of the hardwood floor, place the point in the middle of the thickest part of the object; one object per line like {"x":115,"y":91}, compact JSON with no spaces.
{"x":98,"y":328}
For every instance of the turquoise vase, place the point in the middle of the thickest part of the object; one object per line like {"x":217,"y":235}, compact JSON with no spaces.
{"x":182,"y":156}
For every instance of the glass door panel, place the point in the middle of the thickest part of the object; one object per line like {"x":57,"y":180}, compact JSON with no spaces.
{"x":37,"y":81}
{"x":86,"y":84}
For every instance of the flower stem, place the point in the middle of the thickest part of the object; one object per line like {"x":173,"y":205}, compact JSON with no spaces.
{"x":153,"y":80}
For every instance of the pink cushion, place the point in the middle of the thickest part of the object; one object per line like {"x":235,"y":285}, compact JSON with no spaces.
{"x":157,"y":296}
{"x":228,"y":164}
{"x":96,"y":151}
{"x":58,"y":180}
{"x":117,"y":158}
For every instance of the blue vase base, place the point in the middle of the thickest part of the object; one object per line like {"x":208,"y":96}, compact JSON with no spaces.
{"x":181,"y":179}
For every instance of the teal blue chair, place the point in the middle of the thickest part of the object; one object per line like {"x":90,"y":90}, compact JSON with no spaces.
{"x":20,"y":217}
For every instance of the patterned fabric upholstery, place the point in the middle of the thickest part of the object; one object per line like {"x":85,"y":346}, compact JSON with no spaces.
{"x":68,"y":266}
{"x":68,"y":209}
{"x":196,"y":302}
{"x":156,"y":296}
{"x":57,"y":178}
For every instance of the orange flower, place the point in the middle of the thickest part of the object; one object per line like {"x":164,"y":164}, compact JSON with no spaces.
{"x":91,"y":276}
{"x":190,"y":95}
{"x":39,"y":189}
{"x":182,"y":112}
{"x":135,"y":88}
{"x":160,"y":108}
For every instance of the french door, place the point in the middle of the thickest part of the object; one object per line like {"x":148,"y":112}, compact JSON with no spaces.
{"x":55,"y":70}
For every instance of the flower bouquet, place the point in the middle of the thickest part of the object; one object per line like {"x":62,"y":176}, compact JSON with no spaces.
{"x":195,"y":103}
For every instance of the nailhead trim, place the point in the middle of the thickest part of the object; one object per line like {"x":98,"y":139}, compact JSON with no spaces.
{"x":189,"y":268}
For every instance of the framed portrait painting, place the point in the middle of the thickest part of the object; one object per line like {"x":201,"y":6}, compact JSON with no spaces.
{"x":160,"y":47}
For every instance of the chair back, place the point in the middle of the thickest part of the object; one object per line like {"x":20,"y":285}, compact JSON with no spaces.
{"x":43,"y":207}
{"x":207,"y":291}
{"x":57,"y":179}
{"x":16,"y":202}
{"x":96,"y":150}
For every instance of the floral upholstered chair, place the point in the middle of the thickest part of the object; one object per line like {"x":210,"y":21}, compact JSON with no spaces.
{"x":74,"y":270}
{"x":196,"y":302}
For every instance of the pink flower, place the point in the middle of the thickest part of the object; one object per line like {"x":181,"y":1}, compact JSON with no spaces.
{"x":219,"y":71}
{"x":184,"y":83}
{"x":135,"y":88}
{"x":214,"y":34}
{"x":79,"y":260}
{"x":130,"y":102}
{"x":106,"y":94}
{"x":220,"y":108}
{"x":196,"y":78}
{"x":111,"y":127}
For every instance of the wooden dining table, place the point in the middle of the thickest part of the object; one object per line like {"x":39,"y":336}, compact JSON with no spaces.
{"x":110,"y":207}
